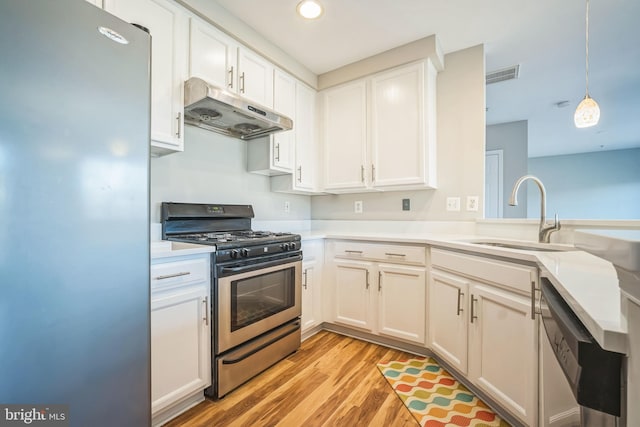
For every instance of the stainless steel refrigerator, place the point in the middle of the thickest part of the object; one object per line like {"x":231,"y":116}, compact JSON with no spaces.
{"x":74,"y":215}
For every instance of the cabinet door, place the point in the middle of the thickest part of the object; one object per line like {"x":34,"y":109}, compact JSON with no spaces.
{"x":399,"y":127}
{"x":504,"y":345}
{"x":96,"y":3}
{"x":180,"y":345}
{"x":167,"y":24}
{"x":353,"y":294}
{"x":212,"y":55}
{"x":284,"y":101}
{"x":306,"y":145}
{"x":255,"y":78}
{"x":402,"y":302}
{"x":448,"y":318}
{"x":345,"y":137}
{"x":310,"y":295}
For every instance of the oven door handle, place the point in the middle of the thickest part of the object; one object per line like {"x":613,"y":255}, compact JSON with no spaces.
{"x":293,"y":328}
{"x":266,"y":264}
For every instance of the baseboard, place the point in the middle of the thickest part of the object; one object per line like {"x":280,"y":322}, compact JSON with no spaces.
{"x":183,"y":405}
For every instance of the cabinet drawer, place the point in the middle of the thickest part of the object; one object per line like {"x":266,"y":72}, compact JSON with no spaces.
{"x":512,"y":276}
{"x":402,"y":254}
{"x":178,"y":273}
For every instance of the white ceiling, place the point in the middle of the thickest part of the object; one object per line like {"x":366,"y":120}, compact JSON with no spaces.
{"x":546,"y":37}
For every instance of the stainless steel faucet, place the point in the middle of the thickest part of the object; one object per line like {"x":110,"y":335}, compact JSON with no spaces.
{"x":544,"y":232}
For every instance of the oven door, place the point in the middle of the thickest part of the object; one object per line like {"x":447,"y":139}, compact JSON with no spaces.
{"x":253,"y":301}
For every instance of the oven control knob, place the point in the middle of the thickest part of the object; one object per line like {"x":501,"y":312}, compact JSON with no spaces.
{"x":244,"y":252}
{"x":292,"y":246}
{"x":233,"y":253}
{"x":285,"y":246}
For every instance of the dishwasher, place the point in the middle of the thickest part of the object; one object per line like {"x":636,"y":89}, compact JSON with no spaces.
{"x":591,"y":392}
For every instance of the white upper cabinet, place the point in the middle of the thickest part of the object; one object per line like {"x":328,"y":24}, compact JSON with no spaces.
{"x":255,"y":77}
{"x":379,"y":132}
{"x":402,"y":125}
{"x":306,"y":146}
{"x":167,"y":23}
{"x":220,"y":60}
{"x":96,"y":2}
{"x":344,"y":137}
{"x":284,"y":102}
{"x":212,"y":55}
{"x":274,"y":154}
{"x":304,"y":179}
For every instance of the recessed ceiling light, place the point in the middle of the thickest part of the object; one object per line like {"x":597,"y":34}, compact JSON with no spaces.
{"x":309,"y":9}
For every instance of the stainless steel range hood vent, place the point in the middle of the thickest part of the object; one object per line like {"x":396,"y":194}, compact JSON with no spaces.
{"x":218,"y":110}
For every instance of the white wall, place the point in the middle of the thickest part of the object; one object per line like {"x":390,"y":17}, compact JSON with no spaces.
{"x":460,"y":153}
{"x":595,"y":185}
{"x":212,"y":169}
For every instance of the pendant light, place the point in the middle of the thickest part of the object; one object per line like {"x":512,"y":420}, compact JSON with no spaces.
{"x":588,"y":112}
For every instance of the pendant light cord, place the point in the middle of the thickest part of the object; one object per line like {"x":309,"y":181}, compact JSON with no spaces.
{"x":587,"y":47}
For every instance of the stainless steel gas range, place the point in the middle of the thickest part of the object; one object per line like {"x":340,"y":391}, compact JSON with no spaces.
{"x":255,"y":287}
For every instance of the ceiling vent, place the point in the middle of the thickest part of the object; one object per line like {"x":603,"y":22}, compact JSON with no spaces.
{"x":503,"y":74}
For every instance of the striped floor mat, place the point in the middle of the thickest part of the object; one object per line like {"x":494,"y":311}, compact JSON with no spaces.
{"x":434,"y":397}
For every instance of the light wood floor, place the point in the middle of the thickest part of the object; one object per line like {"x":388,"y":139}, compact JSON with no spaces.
{"x":332,"y":380}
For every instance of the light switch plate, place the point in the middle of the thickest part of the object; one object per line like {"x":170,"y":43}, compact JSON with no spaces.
{"x":453,"y":204}
{"x":357,"y":206}
{"x":406,"y":204}
{"x":472,"y":203}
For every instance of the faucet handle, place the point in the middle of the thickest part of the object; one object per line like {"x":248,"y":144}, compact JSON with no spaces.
{"x":556,"y":222}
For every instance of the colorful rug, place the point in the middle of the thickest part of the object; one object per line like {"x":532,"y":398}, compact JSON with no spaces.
{"x":434,"y":397}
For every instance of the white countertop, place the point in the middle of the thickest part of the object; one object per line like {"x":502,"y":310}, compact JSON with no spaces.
{"x":589,"y":284}
{"x":165,"y":248}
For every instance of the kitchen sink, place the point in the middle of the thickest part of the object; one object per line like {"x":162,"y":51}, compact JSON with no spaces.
{"x":524,"y":246}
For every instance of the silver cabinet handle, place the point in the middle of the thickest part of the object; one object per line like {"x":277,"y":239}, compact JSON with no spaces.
{"x":304,"y":285}
{"x":533,"y":300}
{"x":473,"y":300}
{"x":392,"y":254}
{"x":367,"y":279}
{"x":169,"y":276}
{"x":230,"y":84}
{"x":206,"y":310}
{"x":460,"y":309}
{"x":242,"y":82}
{"x":362,"y":172}
{"x":349,"y":251}
{"x":178,"y":132}
{"x":299,"y":173}
{"x":373,"y":173}
{"x":379,"y":281}
{"x":277,"y":153}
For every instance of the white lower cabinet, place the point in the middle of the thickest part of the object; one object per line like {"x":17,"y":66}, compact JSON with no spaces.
{"x":402,"y":302}
{"x":377,"y":290}
{"x":448,"y":319}
{"x":180,"y":334}
{"x":353,"y":296}
{"x":312,"y":284}
{"x":484,"y":329}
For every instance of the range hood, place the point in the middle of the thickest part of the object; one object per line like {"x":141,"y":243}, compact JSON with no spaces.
{"x":218,"y":110}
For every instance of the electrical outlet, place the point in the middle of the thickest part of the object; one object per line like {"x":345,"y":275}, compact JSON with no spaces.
{"x":357,"y":206}
{"x":406,"y":204}
{"x":453,"y":203}
{"x":287,"y":207}
{"x":472,"y":203}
